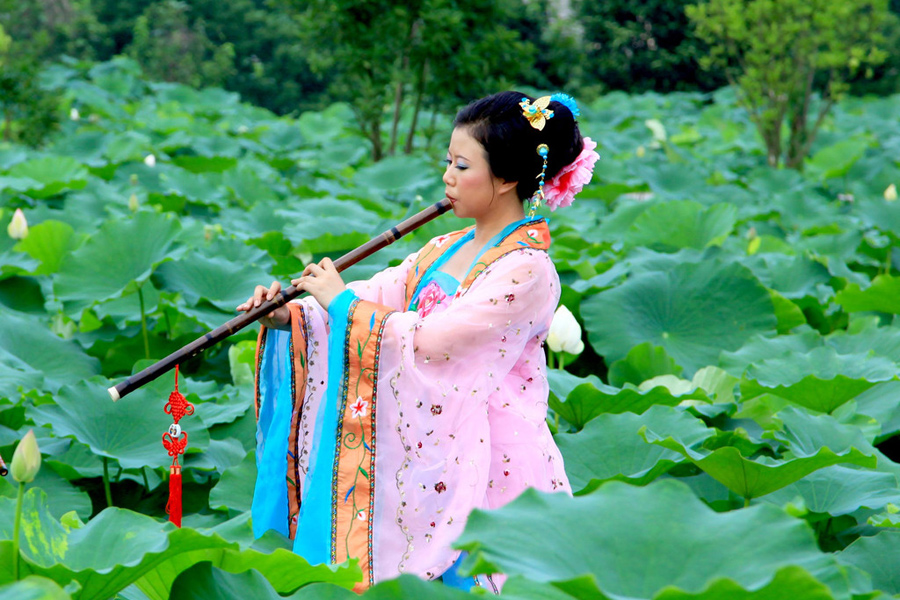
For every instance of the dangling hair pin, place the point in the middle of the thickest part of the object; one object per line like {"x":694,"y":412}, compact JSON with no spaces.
{"x":538,"y":198}
{"x":537,"y":114}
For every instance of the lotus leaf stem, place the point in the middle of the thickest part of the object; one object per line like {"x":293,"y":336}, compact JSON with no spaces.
{"x":16,"y":526}
{"x":106,"y":481}
{"x":143,"y":323}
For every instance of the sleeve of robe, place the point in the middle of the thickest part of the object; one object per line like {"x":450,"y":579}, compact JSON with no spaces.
{"x":390,"y":462}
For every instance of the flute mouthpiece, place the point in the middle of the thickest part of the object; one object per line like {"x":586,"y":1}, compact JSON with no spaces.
{"x":114,"y":394}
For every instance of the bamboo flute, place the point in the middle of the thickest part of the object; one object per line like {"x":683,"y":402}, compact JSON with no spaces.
{"x":286,"y":295}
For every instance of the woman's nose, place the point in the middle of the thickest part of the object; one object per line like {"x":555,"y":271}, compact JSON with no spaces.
{"x":447,"y":178}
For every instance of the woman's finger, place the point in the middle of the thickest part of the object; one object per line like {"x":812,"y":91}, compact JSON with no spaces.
{"x":273,"y":289}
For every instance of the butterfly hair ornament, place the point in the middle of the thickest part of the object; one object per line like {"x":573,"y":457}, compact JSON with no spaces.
{"x":537,"y":114}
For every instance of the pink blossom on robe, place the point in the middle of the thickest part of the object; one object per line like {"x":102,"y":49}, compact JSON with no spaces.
{"x":431,"y":298}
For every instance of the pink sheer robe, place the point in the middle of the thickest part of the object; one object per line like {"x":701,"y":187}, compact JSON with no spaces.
{"x":435,"y":415}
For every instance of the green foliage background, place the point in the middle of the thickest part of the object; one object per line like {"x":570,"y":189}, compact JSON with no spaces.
{"x":728,"y":430}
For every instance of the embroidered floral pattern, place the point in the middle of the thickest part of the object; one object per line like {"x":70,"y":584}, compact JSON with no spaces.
{"x":359,"y":408}
{"x":430,"y":299}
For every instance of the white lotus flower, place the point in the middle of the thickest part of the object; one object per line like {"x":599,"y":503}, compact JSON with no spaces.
{"x":150,"y":160}
{"x":890,"y":194}
{"x":74,"y":114}
{"x":18,"y":227}
{"x":565,"y":332}
{"x":657,"y":128}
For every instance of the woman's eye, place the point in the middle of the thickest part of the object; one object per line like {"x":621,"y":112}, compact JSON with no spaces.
{"x":448,"y":162}
{"x":462,"y":166}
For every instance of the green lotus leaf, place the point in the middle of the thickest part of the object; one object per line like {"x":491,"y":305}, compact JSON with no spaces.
{"x":49,"y":242}
{"x":755,"y":478}
{"x":219,"y":455}
{"x":53,"y":174}
{"x":31,"y":353}
{"x":19,"y":184}
{"x":282,"y":569}
{"x":761,"y":348}
{"x":883,"y":295}
{"x":281,"y":136}
{"x":198,"y":188}
{"x":821,"y":379}
{"x":835,"y":160}
{"x":787,"y":313}
{"x":791,"y":276}
{"x":588,"y":400}
{"x":104,"y":561}
{"x":840,"y":490}
{"x":878,"y":556}
{"x":694,"y":311}
{"x":219,"y":281}
{"x":121,"y":254}
{"x":789,"y":583}
{"x":128,"y":146}
{"x":314,"y":218}
{"x":129,"y":430}
{"x":662,"y":539}
{"x":880,"y":403}
{"x":681,"y":224}
{"x":676,"y":181}
{"x":33,"y":588}
{"x":216,"y":146}
{"x":807,"y":433}
{"x":397,"y":173}
{"x":610,"y":448}
{"x":863,"y":337}
{"x":62,"y":496}
{"x":88,"y":147}
{"x":643,"y":362}
{"x":205,"y":582}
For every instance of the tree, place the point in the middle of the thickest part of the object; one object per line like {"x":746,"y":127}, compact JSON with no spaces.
{"x":170,"y":48}
{"x":642,"y":45}
{"x":381,"y":52}
{"x":790,"y":60}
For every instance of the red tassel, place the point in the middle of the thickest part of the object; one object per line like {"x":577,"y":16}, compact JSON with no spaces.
{"x":174,"y":505}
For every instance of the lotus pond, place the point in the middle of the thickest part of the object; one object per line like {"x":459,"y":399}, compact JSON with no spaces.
{"x":729,"y":428}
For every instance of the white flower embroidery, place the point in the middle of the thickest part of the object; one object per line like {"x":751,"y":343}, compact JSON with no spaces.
{"x":359,"y":408}
{"x":361,"y":515}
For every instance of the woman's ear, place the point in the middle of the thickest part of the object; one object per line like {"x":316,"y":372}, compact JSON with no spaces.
{"x":505,"y":186}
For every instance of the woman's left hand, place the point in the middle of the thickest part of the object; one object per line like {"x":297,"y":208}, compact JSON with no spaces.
{"x":322,"y":281}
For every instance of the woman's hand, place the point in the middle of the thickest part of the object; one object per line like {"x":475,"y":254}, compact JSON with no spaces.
{"x":280,"y":318}
{"x":322,"y":281}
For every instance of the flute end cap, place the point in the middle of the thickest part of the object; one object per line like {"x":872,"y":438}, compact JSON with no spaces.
{"x":114,"y":394}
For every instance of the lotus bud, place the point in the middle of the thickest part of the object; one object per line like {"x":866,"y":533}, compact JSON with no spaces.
{"x":890,"y":194}
{"x":74,"y":114}
{"x":133,"y":203}
{"x":18,"y":227}
{"x":150,"y":160}
{"x":133,"y":180}
{"x":657,"y":128}
{"x":26,"y":461}
{"x":640,"y":152}
{"x":565,"y":332}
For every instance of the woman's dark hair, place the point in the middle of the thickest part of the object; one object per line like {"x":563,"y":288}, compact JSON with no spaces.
{"x":498,"y":124}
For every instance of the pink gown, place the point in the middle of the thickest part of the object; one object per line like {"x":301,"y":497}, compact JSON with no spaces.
{"x":401,"y":408}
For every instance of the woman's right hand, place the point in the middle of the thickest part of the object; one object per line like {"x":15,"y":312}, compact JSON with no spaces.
{"x":280,"y":318}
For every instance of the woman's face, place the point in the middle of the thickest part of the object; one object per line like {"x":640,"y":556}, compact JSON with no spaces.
{"x":470,"y":185}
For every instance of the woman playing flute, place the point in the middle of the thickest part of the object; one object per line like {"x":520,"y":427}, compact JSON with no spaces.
{"x":388,"y":409}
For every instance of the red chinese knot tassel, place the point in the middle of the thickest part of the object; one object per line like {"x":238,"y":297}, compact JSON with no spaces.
{"x":175,"y":441}
{"x":174,"y":505}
